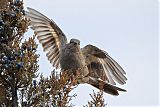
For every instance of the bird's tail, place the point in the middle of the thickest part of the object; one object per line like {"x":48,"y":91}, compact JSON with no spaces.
{"x":108,"y":88}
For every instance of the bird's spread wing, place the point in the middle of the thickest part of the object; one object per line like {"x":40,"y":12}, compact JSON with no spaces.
{"x":49,"y":35}
{"x":101,"y":65}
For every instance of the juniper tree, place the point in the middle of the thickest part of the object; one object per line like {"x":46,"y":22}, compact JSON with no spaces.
{"x":18,"y":60}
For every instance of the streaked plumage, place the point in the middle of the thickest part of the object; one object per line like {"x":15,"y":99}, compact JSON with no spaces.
{"x":95,"y":65}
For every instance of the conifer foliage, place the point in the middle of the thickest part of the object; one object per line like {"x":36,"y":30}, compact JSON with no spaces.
{"x":18,"y":60}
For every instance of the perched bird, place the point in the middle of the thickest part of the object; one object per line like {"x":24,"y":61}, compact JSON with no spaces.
{"x":95,"y":65}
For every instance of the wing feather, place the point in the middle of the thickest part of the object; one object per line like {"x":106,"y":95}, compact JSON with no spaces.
{"x":114,"y":74}
{"x":116,"y":64}
{"x":111,"y":69}
{"x":49,"y":35}
{"x":54,"y":54}
{"x":115,"y":68}
{"x":108,"y":75}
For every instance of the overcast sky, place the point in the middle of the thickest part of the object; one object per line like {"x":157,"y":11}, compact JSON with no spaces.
{"x":126,"y":29}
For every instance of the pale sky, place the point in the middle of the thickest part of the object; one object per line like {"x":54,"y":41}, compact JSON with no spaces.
{"x":126,"y":29}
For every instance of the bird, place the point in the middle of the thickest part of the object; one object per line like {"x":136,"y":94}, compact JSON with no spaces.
{"x":96,"y":66}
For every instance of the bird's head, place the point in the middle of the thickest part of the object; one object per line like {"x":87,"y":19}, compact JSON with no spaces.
{"x":75,"y":41}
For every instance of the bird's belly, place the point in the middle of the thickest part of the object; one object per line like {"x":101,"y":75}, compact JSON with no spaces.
{"x":73,"y":63}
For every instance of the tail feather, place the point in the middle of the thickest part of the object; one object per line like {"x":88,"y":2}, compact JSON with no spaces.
{"x":108,"y":88}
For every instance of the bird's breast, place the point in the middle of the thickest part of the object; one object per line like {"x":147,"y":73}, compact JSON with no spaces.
{"x":73,"y":61}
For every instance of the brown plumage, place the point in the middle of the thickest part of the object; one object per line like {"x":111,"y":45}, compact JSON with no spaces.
{"x":97,"y":68}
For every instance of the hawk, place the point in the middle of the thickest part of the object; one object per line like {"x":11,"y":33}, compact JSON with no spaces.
{"x":95,"y":65}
